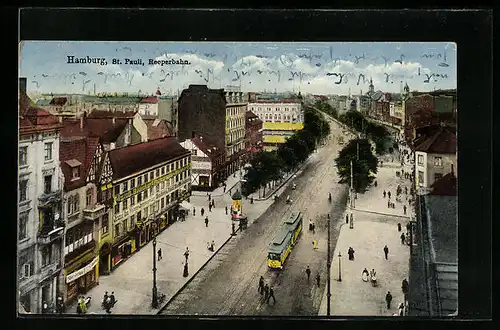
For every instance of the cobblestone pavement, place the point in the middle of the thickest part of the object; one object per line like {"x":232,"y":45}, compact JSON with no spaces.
{"x":228,"y":284}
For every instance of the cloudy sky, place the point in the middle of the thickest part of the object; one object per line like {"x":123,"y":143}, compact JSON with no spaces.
{"x":319,"y":68}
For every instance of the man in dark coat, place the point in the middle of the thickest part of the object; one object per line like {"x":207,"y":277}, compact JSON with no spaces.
{"x":261,"y":285}
{"x":194,"y":211}
{"x":209,"y":207}
{"x":399,"y":226}
{"x":186,"y":254}
{"x":266,"y":292}
{"x":271,"y":294}
{"x":404,"y":286}
{"x":206,"y":221}
{"x":386,"y":251}
{"x":384,"y":193}
{"x":159,"y":254}
{"x":389,"y":194}
{"x":402,"y":238}
{"x":404,"y":209}
{"x":225,"y":209}
{"x":308,"y":273}
{"x":347,"y":218}
{"x":202,"y":211}
{"x":318,"y":279}
{"x":388,"y":299}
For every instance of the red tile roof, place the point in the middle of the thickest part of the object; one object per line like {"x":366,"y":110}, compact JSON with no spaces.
{"x":446,"y":186}
{"x":132,"y":159}
{"x":59,"y":101}
{"x":158,"y":128}
{"x":150,"y":99}
{"x":208,"y":146}
{"x":82,"y":149}
{"x":444,"y":141}
{"x":32,"y":118}
{"x":102,"y":127}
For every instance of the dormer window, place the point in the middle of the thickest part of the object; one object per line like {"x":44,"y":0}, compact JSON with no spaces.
{"x":75,"y":168}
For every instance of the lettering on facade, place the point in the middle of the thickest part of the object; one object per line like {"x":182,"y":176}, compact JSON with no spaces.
{"x":202,"y":165}
{"x":82,"y":271}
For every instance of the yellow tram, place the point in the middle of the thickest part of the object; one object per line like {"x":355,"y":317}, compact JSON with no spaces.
{"x":282,"y":244}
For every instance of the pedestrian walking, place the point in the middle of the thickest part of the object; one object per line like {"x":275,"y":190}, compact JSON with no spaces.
{"x":271,"y":294}
{"x":350,"y":252}
{"x":185,"y":272}
{"x":224,"y":187}
{"x":404,"y":209}
{"x":308,"y":273}
{"x":186,"y":254}
{"x":408,"y":226}
{"x":388,"y":203}
{"x":388,"y":299}
{"x":194,"y":211}
{"x":202,"y":211}
{"x":315,"y":244}
{"x":209,"y":197}
{"x":401,"y":309}
{"x":389,"y":194}
{"x":206,"y":221}
{"x":406,"y":190}
{"x":399,"y":226}
{"x":261,"y":285}
{"x":159,"y":254}
{"x":210,"y":207}
{"x":212,"y":245}
{"x":225,"y":207}
{"x":402,"y":238}
{"x":318,"y":279}
{"x":404,"y":286}
{"x":386,"y":251}
{"x":266,"y":292}
{"x":112,"y":299}
{"x":384,"y":193}
{"x":347,"y":218}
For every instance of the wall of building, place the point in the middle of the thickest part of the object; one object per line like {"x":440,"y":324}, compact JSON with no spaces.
{"x":148,"y":109}
{"x":30,"y":247}
{"x":434,"y":168}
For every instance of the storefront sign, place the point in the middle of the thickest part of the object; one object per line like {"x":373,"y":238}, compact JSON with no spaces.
{"x":82,"y":271}
{"x":151,"y":183}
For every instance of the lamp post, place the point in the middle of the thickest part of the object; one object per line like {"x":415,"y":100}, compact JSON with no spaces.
{"x":340,"y":272}
{"x":328,"y":266}
{"x":154,"y":303}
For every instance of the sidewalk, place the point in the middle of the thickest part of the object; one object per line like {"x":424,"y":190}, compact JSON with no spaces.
{"x":132,"y":282}
{"x":352,"y":296}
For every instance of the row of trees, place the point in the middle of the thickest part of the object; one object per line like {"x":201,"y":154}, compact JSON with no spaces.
{"x":268,"y":166}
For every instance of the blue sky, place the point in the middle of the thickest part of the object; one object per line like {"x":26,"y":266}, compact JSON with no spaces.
{"x":314,"y":67}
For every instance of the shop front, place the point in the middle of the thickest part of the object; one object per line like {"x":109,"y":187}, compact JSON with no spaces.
{"x":83,"y":279}
{"x":104,"y":259}
{"x":121,"y":250}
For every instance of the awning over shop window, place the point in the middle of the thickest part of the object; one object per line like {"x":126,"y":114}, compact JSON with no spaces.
{"x":186,"y":206}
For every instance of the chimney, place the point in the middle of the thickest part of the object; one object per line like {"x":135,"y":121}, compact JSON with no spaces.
{"x":22,"y":85}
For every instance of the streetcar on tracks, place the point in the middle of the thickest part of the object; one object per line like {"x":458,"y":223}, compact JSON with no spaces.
{"x":282,"y":244}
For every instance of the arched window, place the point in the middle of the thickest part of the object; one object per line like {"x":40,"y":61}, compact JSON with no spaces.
{"x":88,"y":198}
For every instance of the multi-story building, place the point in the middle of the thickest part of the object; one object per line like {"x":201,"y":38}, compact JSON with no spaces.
{"x":146,"y":194}
{"x":40,"y":231}
{"x":281,"y":119}
{"x":434,"y":155}
{"x":207,"y":162}
{"x":148,"y":106}
{"x":253,"y":133}
{"x":168,"y":110}
{"x":81,"y":158}
{"x":218,"y":116}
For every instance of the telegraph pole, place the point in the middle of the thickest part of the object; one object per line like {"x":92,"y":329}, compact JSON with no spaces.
{"x":154,"y":302}
{"x":328,"y":266}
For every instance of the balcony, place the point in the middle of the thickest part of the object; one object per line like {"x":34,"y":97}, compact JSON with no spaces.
{"x":94,"y":213}
{"x":48,"y":271}
{"x":50,"y":198}
{"x":50,"y":231}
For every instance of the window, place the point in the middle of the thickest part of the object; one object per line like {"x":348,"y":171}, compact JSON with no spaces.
{"x":421,"y":177}
{"x":437,"y":176}
{"x":25,"y":264}
{"x":145,"y":194}
{"x":420,"y":160}
{"x":158,"y":173}
{"x":132,"y":183}
{"x":139,"y":216}
{"x":23,"y":221}
{"x":117,"y":190}
{"x":47,"y":184}
{"x":125,"y":204}
{"x":23,"y":156}
{"x":132,"y":200}
{"x":151,"y":175}
{"x":46,"y":254}
{"x":48,"y":151}
{"x":157,"y":187}
{"x":162,"y":185}
{"x":162,"y":203}
{"x":125,"y":186}
{"x":163,"y":170}
{"x":23,"y":190}
{"x":438,"y":161}
{"x":132,"y":223}
{"x":75,"y":172}
{"x":139,"y":181}
{"x":117,"y":229}
{"x":105,"y":224}
{"x":88,"y":197}
{"x":139,"y":197}
{"x":145,"y":178}
{"x":146,"y":209}
{"x":117,"y":208}
{"x":125,"y":226}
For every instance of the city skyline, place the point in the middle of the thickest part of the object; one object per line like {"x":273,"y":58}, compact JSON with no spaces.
{"x":316,"y":67}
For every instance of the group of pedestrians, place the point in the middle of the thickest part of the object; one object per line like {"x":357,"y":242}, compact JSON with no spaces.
{"x":308,"y":273}
{"x":266,"y":292}
{"x":108,"y":301}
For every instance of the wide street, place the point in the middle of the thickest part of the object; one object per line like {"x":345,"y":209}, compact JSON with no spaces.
{"x":228,"y":283}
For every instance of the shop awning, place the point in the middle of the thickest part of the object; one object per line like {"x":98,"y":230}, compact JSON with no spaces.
{"x":186,"y":206}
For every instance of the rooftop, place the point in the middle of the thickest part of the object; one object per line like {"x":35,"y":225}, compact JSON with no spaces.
{"x":444,"y":141}
{"x":207,"y":145}
{"x":33,"y":118}
{"x":446,"y":186}
{"x":124,"y":160}
{"x":105,"y":128}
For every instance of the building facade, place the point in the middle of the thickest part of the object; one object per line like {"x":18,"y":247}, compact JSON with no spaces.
{"x":148,"y":106}
{"x":168,"y":110}
{"x":253,"y":134}
{"x":40,"y":233}
{"x":146,"y":194}
{"x":281,"y":119}
{"x":236,"y":108}
{"x":207,"y":163}
{"x":80,"y":159}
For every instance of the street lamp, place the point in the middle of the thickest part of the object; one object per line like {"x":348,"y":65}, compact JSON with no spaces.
{"x":340,"y":273}
{"x":154,"y":303}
